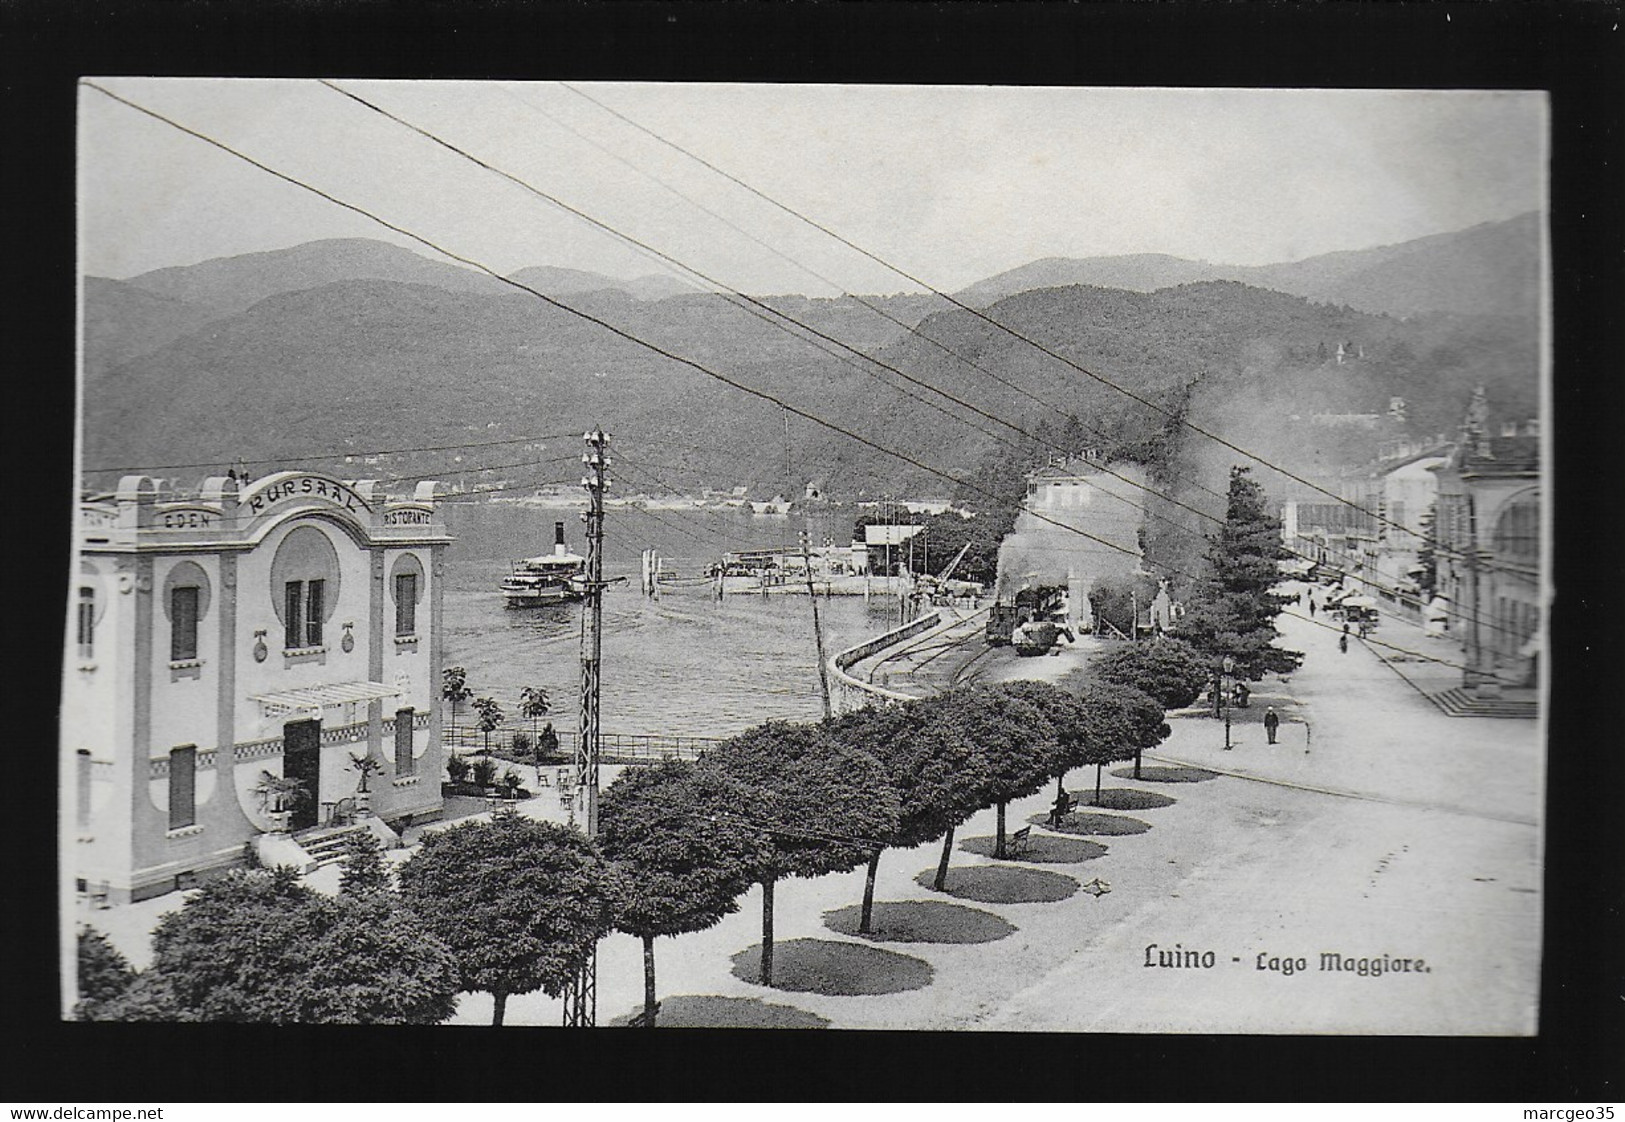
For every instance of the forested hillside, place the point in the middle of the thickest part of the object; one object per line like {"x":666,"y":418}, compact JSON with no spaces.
{"x":370,"y":364}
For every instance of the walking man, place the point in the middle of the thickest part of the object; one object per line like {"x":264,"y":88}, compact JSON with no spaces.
{"x":1311,"y":607}
{"x":1271,"y":723}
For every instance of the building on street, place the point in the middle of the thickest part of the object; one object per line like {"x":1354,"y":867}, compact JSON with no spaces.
{"x":233,"y":653}
{"x":1489,"y":524}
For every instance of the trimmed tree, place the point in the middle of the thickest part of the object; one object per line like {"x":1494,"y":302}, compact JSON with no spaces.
{"x":1233,"y":611}
{"x":1167,"y":669}
{"x":935,"y":776}
{"x":260,"y":946}
{"x":811,"y":804}
{"x":680,"y":869}
{"x":1067,"y":721}
{"x":454,"y":688}
{"x":148,"y":997}
{"x":365,"y":872}
{"x":1016,"y":741}
{"x":491,"y":717}
{"x":534,"y":704}
{"x":104,"y":974}
{"x":1120,"y":722}
{"x":521,"y":904}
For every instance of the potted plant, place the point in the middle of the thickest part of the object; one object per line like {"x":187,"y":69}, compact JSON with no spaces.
{"x":457,"y":769}
{"x":547,"y":744}
{"x":521,"y":745}
{"x":278,"y":795}
{"x":366,"y":766}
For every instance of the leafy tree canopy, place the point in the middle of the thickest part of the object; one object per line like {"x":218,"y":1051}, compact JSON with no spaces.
{"x":815,"y":803}
{"x":518,"y":902}
{"x":680,"y":868}
{"x":936,"y":775}
{"x":104,"y":973}
{"x":260,"y":946}
{"x":365,"y":872}
{"x":1167,"y":669}
{"x":1010,"y":735}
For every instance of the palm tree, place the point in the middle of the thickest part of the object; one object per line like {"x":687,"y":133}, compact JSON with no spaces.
{"x":534,"y":704}
{"x":454,"y":688}
{"x":490,"y":717}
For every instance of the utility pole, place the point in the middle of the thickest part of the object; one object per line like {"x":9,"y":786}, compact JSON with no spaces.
{"x":1474,"y":677}
{"x":818,"y":631}
{"x":581,"y":993}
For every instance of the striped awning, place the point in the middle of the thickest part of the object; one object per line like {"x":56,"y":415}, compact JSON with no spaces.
{"x":321,"y":697}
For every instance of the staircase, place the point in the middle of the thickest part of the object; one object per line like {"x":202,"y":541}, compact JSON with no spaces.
{"x":329,"y":845}
{"x":1457,"y":702}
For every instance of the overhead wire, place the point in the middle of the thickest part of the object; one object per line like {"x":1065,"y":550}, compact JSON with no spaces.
{"x":334,"y":454}
{"x":1342,"y":500}
{"x":667,"y":258}
{"x":749,"y":304}
{"x":910,"y":328}
{"x":975,"y":311}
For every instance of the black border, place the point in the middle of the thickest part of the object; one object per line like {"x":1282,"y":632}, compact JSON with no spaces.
{"x":1572,"y":49}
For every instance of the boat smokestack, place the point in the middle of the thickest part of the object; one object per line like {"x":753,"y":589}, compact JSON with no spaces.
{"x":558,"y":539}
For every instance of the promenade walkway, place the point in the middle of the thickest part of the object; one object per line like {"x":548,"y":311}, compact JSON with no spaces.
{"x":1378,"y":827}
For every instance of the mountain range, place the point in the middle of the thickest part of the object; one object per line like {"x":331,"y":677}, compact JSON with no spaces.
{"x":1490,"y":269}
{"x":357,"y":345}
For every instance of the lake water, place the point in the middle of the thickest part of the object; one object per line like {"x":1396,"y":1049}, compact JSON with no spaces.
{"x":684,"y":663}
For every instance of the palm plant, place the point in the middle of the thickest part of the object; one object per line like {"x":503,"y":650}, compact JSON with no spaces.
{"x":534,"y":704}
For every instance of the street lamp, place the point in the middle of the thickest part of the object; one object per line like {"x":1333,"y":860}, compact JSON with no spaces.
{"x":1229,"y":665}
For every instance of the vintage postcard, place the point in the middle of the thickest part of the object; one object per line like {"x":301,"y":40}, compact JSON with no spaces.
{"x":1030,"y":559}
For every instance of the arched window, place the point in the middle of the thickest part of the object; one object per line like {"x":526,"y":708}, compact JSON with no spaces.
{"x":304,"y":586}
{"x":1517,"y":530}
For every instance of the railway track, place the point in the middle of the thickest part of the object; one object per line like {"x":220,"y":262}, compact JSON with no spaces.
{"x":934,"y":645}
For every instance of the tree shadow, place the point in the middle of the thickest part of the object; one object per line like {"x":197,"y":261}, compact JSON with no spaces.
{"x":834,"y":969}
{"x":1002,"y":884}
{"x":696,"y":1011}
{"x":1125,"y":798}
{"x":1041,"y":848}
{"x":1104,"y":825}
{"x":921,"y":921}
{"x":1167,"y":774}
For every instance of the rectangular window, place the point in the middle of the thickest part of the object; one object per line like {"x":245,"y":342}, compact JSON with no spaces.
{"x":83,"y":777}
{"x":313,"y":612}
{"x":293,"y":614}
{"x":183,"y":623}
{"x":87,"y":622}
{"x":182,"y":787}
{"x":404,"y":764}
{"x":406,"y":603}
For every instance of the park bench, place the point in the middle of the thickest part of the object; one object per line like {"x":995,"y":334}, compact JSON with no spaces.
{"x":1019,"y":842}
{"x":1059,"y":809}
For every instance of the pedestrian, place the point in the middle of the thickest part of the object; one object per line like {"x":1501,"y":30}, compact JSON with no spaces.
{"x":1311,"y":607}
{"x":1271,"y":723}
{"x":1343,"y":642}
{"x":1063,"y":803}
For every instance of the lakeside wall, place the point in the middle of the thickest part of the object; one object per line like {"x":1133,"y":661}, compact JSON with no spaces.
{"x":851,"y":693}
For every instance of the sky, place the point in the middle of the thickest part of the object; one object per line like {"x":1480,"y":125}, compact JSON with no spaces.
{"x":948,"y":184}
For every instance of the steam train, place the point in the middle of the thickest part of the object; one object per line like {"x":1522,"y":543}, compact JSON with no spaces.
{"x":1031,"y":620}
